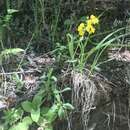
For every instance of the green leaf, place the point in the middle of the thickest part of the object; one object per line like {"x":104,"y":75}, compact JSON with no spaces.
{"x":54,"y":78}
{"x":24,"y":125}
{"x":35,"y":115}
{"x":37,"y":101}
{"x":57,"y":95}
{"x":71,"y":61}
{"x":61,"y":113}
{"x":19,"y":126}
{"x":27,"y":106}
{"x":11,"y":11}
{"x":27,"y":120}
{"x":44,"y":110}
{"x":68,"y":106}
{"x":71,"y":45}
{"x":12,"y":115}
{"x":52,"y":113}
{"x":66,"y":89}
{"x":12,"y":51}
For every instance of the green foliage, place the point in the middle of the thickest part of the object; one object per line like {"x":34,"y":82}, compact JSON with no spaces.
{"x":27,"y":106}
{"x":35,"y":114}
{"x":39,"y":25}
{"x":23,"y":125}
{"x":7,"y":18}
{"x":11,"y":11}
{"x":5,"y":54}
{"x":37,"y":100}
{"x":12,"y":116}
{"x":44,"y":116}
{"x":68,"y":106}
{"x":51,"y":115}
{"x":71,"y":45}
{"x":18,"y":81}
{"x":33,"y":107}
{"x":80,"y":55}
{"x":12,"y":51}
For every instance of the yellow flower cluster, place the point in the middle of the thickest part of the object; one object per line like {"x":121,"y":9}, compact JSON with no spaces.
{"x":81,"y":29}
{"x":89,"y":26}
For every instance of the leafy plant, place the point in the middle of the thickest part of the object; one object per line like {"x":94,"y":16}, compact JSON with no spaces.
{"x":12,"y":116}
{"x":33,"y":107}
{"x":22,"y":125}
{"x":5,"y":54}
{"x":79,"y":47}
{"x":37,"y":111}
{"x":18,"y":81}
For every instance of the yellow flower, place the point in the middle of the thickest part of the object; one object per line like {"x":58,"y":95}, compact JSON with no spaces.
{"x":90,"y":29}
{"x":89,"y":26}
{"x":81,"y":29}
{"x":89,"y":22}
{"x":94,"y":19}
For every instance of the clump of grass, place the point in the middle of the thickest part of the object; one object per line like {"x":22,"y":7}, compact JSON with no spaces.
{"x":86,"y":90}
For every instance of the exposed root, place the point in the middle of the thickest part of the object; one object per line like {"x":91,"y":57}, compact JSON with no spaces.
{"x":83,"y":95}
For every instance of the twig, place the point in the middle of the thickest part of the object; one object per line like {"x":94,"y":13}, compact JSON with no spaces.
{"x":19,"y":72}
